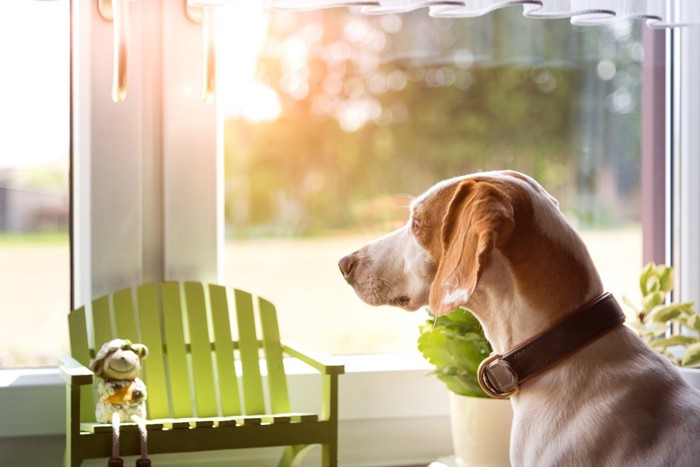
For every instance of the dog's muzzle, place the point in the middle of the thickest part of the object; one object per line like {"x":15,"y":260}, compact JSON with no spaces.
{"x":347,"y":265}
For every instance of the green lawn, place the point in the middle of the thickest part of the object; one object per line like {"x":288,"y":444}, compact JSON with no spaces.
{"x":45,"y":238}
{"x":300,"y":275}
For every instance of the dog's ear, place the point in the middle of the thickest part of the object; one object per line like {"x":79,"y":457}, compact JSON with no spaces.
{"x":479,"y":218}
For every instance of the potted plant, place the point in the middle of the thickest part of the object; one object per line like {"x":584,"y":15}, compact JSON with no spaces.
{"x":672,"y":328}
{"x":455,"y":345}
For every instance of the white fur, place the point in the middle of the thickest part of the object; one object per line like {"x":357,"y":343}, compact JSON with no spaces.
{"x":397,"y":267}
{"x":458,"y":295}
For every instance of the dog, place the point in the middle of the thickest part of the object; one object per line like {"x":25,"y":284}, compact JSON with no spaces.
{"x":497,"y":243}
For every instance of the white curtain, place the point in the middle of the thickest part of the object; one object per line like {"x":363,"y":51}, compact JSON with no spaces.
{"x":657,"y":13}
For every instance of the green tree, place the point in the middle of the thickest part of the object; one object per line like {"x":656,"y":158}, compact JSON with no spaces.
{"x":377,"y":106}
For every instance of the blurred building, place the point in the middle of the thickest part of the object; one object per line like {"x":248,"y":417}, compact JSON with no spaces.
{"x":26,"y":208}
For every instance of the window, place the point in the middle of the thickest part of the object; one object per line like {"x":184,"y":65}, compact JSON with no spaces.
{"x":419,"y":410}
{"x":34,"y":205}
{"x":342,"y":116}
{"x":348,"y":112}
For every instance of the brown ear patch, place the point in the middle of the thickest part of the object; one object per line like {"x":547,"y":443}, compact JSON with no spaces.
{"x":480,"y":217}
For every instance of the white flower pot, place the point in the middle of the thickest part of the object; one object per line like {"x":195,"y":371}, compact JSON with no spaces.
{"x":481,"y":430}
{"x":691,"y":375}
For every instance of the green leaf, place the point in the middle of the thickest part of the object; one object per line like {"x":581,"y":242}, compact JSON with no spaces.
{"x":644,"y":276}
{"x":653,"y":285}
{"x":464,"y":318}
{"x":433,"y":346}
{"x":653,"y":299}
{"x":688,"y":308}
{"x":693,"y":322}
{"x":455,"y":344}
{"x":671,"y":341}
{"x":666,"y":313}
{"x":462,"y":384}
{"x":665,"y":278}
{"x":445,"y":349}
{"x":691,"y":357}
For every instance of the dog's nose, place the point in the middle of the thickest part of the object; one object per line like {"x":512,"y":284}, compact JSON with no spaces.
{"x":346,"y":265}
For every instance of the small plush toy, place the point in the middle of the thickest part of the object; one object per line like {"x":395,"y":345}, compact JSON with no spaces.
{"x":121,"y":393}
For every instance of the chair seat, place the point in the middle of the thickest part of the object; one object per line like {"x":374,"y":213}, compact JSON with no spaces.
{"x":210,"y":422}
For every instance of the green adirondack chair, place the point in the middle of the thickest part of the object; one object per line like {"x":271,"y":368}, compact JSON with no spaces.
{"x":194,"y":401}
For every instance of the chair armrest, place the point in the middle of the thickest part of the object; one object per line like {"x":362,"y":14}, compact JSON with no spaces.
{"x":323,"y":362}
{"x":73,"y":372}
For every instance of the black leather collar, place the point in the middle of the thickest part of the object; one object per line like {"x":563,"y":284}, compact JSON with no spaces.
{"x":500,"y":376}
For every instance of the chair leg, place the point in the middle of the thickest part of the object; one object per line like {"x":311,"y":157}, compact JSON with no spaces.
{"x":329,"y":455}
{"x":293,"y":455}
{"x":71,"y":457}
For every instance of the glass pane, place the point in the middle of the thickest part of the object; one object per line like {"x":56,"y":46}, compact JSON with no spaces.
{"x":334,"y":119}
{"x":34,"y":205}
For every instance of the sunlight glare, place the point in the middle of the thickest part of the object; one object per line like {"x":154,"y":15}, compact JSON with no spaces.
{"x":260,"y":103}
{"x":242,"y":30}
{"x":34,"y":83}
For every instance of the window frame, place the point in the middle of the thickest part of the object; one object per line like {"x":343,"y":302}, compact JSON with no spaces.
{"x":423,"y":400}
{"x":683,"y":170}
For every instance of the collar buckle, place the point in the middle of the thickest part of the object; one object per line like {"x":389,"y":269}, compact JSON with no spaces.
{"x":497,"y":378}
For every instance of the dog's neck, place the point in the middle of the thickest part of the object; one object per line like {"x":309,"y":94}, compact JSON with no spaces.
{"x":511,"y":316}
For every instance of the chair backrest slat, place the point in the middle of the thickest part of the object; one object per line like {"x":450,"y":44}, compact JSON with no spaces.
{"x":80,"y":350}
{"x":77,"y":325}
{"x":226,"y":369}
{"x":200,"y":350}
{"x":180,"y":395}
{"x":101,"y":322}
{"x":277,"y":381}
{"x":124,"y":319}
{"x":154,"y":365}
{"x":250,"y":360}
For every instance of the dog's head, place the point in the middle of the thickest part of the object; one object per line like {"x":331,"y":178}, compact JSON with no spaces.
{"x":119,"y":360}
{"x":454,"y":232}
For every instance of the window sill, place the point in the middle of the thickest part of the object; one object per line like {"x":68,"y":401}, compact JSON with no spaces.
{"x":391,"y":412}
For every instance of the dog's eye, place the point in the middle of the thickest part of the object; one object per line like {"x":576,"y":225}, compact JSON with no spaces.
{"x":415,"y":226}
